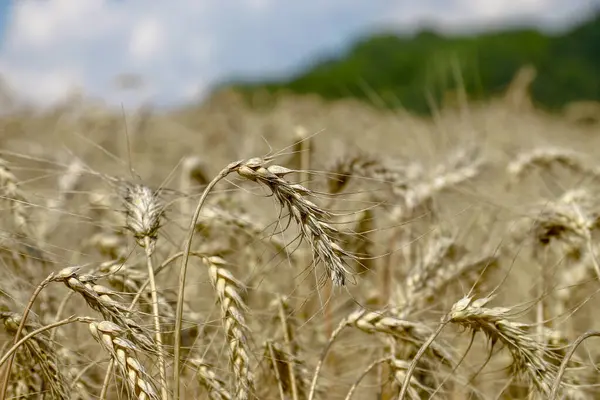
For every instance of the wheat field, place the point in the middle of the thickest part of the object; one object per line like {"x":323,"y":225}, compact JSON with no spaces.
{"x":298,"y":249}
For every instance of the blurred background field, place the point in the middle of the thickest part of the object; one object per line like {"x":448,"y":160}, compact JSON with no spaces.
{"x":436,"y":135}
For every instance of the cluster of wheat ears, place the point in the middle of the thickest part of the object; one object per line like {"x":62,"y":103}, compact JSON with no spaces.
{"x":382,"y":301}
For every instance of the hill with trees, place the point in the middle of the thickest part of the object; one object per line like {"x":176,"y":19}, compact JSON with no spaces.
{"x":412,"y":71}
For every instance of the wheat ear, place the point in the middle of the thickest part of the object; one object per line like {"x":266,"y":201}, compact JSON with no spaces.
{"x":210,"y":380}
{"x":310,"y":217}
{"x":144,"y":212}
{"x":122,"y":351}
{"x":233,"y":308}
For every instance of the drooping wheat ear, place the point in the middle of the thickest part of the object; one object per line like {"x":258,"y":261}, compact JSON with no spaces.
{"x":529,"y":355}
{"x":102,"y":300}
{"x":39,"y":350}
{"x":12,"y":194}
{"x":309,"y":216}
{"x":215,"y":386}
{"x":233,"y":308}
{"x":312,"y":219}
{"x":545,"y":158}
{"x":123,"y":352}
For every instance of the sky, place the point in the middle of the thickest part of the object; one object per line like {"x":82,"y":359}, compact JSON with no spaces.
{"x":182,"y":48}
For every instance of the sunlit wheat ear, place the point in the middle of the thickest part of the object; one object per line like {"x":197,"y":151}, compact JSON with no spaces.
{"x":143,"y":210}
{"x":544,"y":158}
{"x":312,"y":219}
{"x":211,"y":381}
{"x":529,"y":355}
{"x":39,"y":350}
{"x":123,"y":352}
{"x":104,"y":300}
{"x":233,"y":309}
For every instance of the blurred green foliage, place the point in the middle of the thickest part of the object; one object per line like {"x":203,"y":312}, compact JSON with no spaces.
{"x":393,"y":70}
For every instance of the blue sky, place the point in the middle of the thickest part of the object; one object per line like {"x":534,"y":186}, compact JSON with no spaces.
{"x":181,"y":47}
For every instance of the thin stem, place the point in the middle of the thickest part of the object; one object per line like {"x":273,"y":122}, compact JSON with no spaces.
{"x":182,"y":275}
{"x":106,"y":382}
{"x":159,"y":269}
{"x":155,"y":313}
{"x":290,"y":349}
{"x":413,"y":364}
{"x":362,"y":376}
{"x":59,"y":312}
{"x":276,"y":371}
{"x":565,"y":361}
{"x":37,"y":291}
{"x":10,"y":353}
{"x":334,"y":335}
{"x":593,"y":254}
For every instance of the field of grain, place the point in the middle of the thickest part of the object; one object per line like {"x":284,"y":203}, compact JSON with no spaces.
{"x":299,"y":250}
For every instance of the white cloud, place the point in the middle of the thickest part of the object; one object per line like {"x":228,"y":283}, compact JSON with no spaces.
{"x":182,"y":47}
{"x":147,"y":39}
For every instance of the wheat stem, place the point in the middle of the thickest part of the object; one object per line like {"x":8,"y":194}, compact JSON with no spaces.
{"x":182,"y":275}
{"x":155,"y":313}
{"x":37,"y":291}
{"x":334,"y":335}
{"x":566,"y":359}
{"x":362,"y":376}
{"x":106,"y":382}
{"x":413,"y":364}
{"x":8,"y":355}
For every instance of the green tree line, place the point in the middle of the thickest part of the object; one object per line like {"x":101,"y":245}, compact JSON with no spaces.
{"x":410,"y":71}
